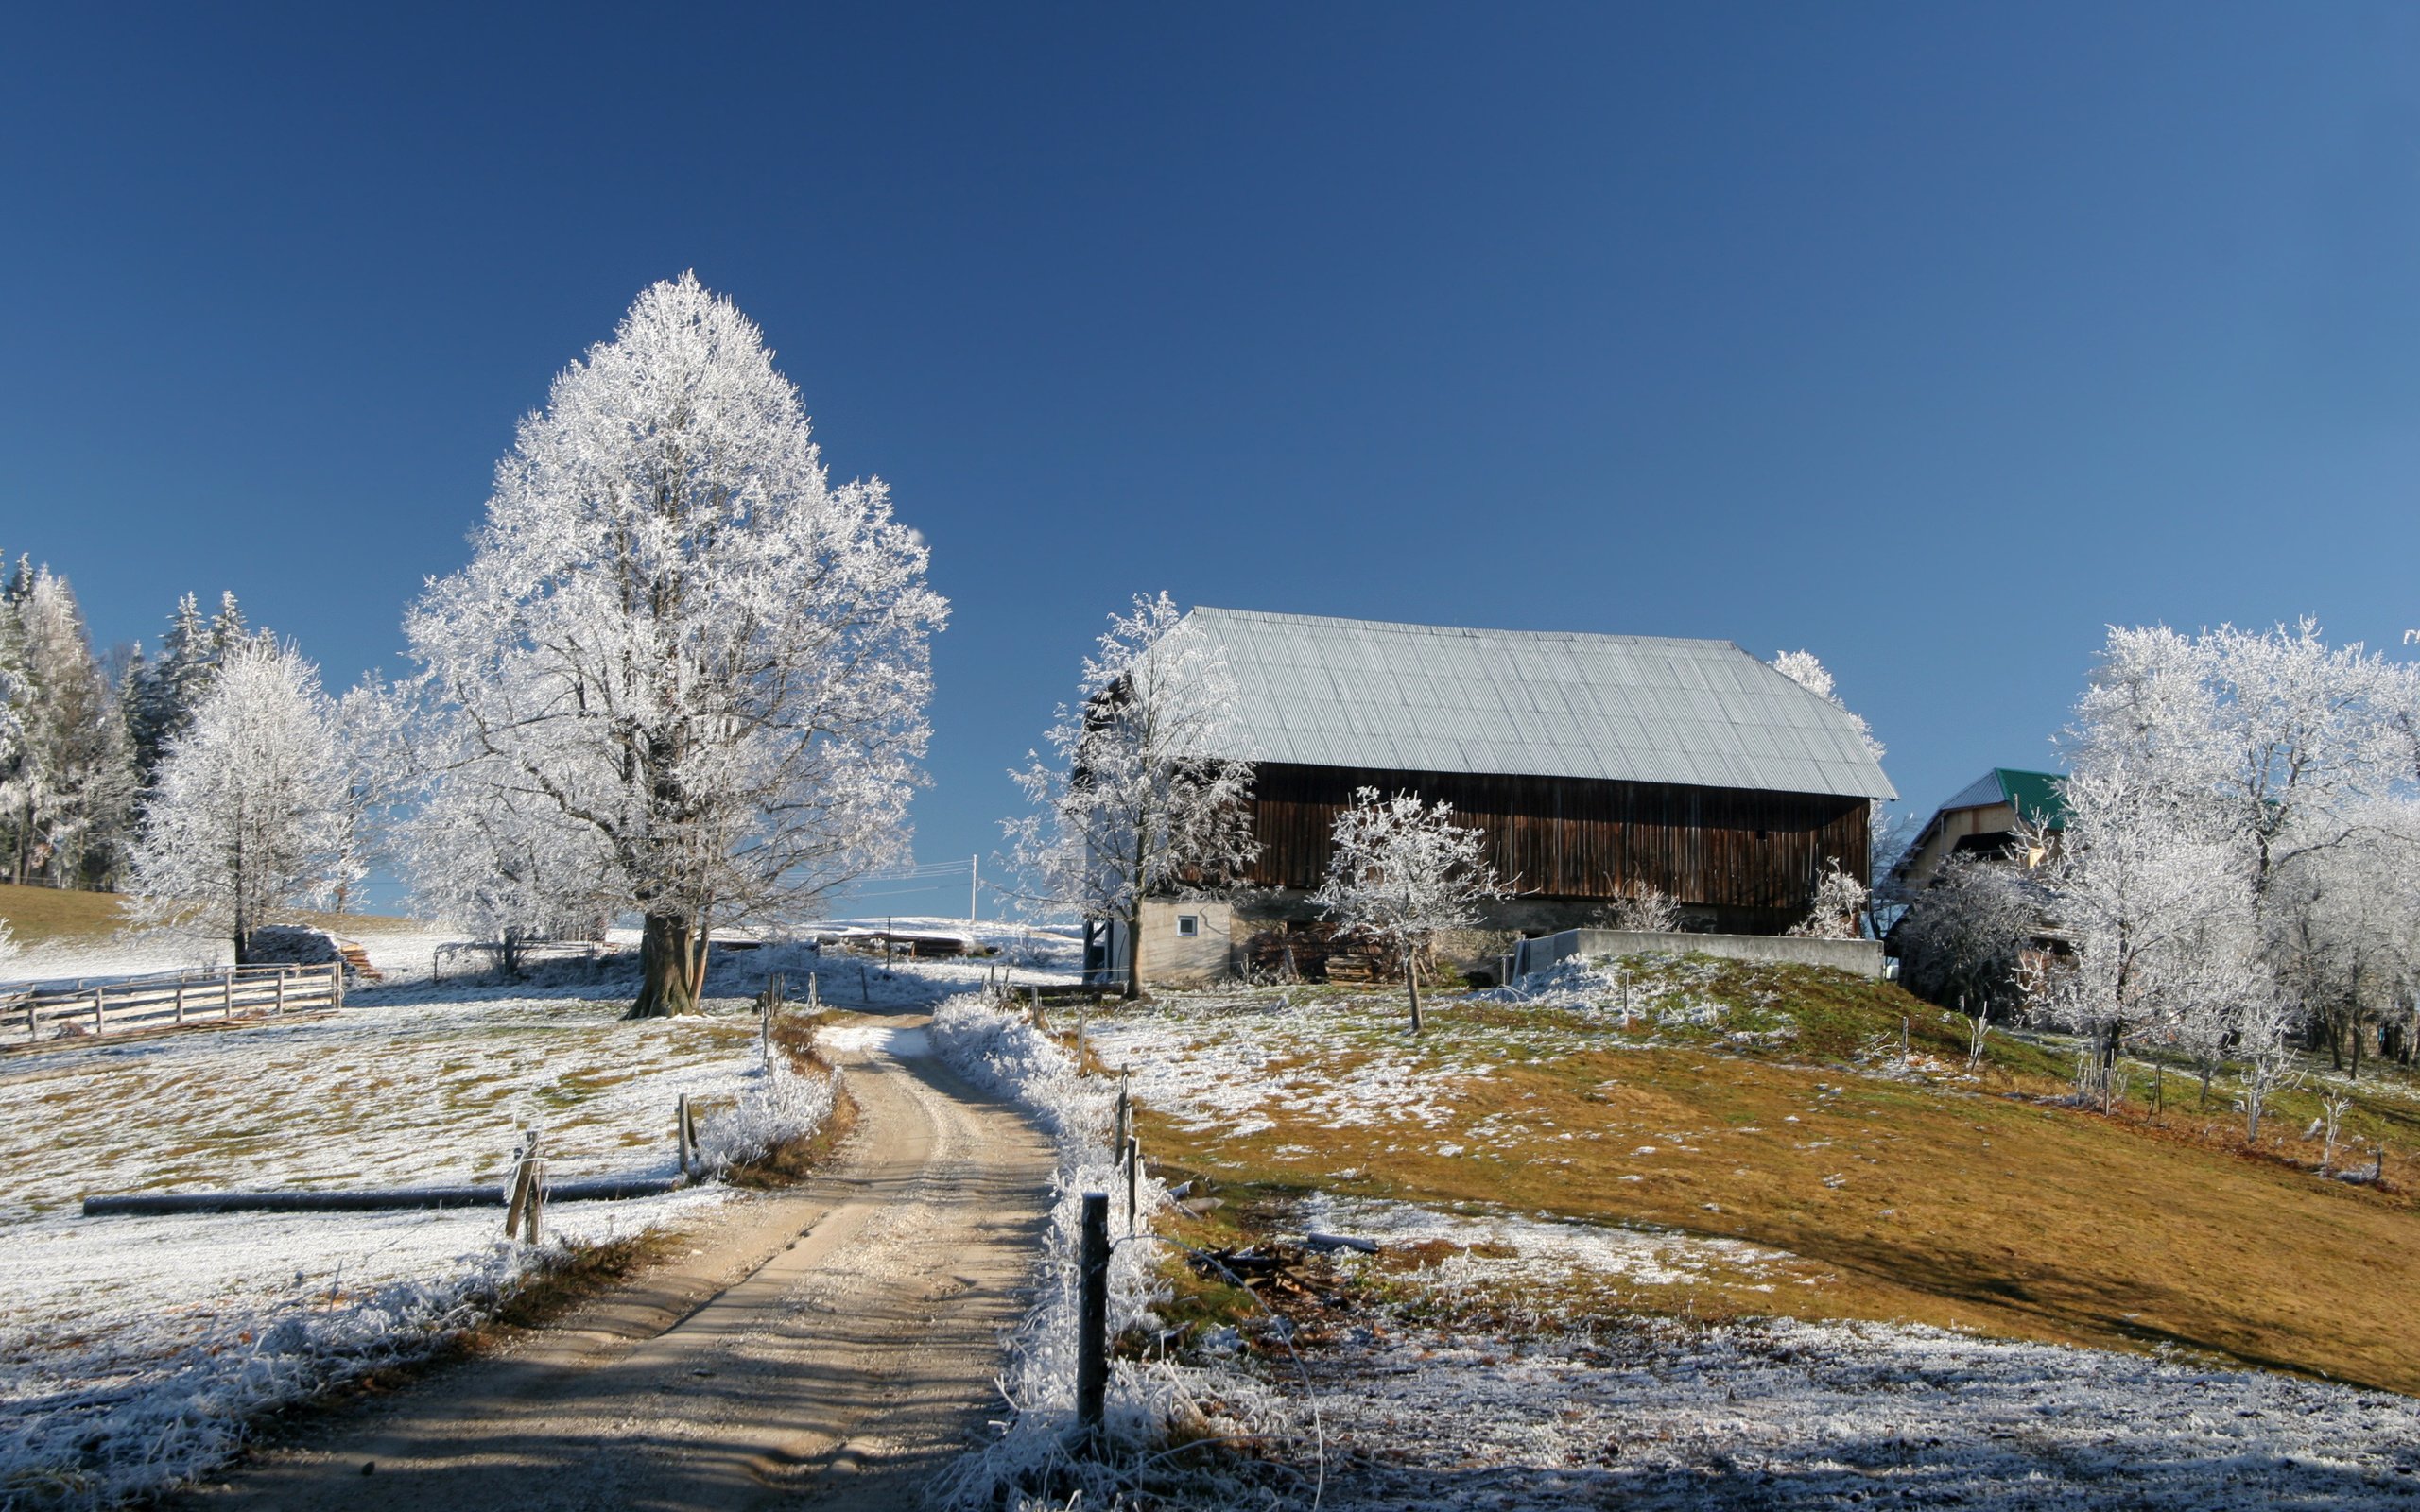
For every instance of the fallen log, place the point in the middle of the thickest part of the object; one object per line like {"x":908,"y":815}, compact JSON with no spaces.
{"x":156,"y":1203}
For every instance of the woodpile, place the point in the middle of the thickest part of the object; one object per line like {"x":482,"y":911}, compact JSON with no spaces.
{"x":1320,"y":953}
{"x":1275,"y":1273}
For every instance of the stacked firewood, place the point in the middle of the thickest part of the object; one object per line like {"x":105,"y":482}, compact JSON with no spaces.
{"x":1320,"y":953}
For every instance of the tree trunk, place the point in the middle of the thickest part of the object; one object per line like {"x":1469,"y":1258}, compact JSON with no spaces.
{"x":1134,"y":952}
{"x":672,"y":958}
{"x":1411,"y":985}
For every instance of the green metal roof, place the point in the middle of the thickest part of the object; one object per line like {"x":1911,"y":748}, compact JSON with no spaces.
{"x":2040,"y":796}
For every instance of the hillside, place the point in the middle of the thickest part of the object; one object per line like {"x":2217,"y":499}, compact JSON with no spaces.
{"x":1829,"y":1123}
{"x":40,"y":915}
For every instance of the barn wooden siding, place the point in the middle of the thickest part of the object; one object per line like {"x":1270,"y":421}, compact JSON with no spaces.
{"x":1585,"y":837}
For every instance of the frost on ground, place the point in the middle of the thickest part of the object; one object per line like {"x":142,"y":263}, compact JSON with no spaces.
{"x":1457,"y":1382}
{"x":132,"y":1349}
{"x":1226,"y":1062}
{"x":1151,"y":1402}
{"x":1783,"y":1414}
{"x":1497,"y":1256}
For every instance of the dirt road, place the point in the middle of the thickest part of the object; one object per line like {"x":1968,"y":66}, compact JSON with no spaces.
{"x":826,"y":1348}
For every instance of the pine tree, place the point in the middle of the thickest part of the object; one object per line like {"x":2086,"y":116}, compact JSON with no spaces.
{"x":69,"y":791}
{"x":227,"y":628}
{"x":160,"y":703}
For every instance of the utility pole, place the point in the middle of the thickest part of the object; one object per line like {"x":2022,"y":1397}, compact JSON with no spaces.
{"x":973,"y":879}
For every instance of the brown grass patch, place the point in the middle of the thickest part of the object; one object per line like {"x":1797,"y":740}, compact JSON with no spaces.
{"x":1994,"y":1211}
{"x":55,"y":916}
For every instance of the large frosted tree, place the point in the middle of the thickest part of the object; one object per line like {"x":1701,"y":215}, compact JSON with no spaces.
{"x":681,"y":642}
{"x":69,"y":785}
{"x":247,"y":819}
{"x":1147,"y":793}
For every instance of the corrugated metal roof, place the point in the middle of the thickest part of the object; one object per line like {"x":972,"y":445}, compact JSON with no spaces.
{"x":2033,"y":795}
{"x":1438,"y":698}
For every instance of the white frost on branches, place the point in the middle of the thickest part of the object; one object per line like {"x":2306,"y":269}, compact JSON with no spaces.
{"x":1802,"y":668}
{"x":248,"y":817}
{"x":1149,"y":795}
{"x":1404,"y":872}
{"x":2241,"y":831}
{"x":1832,"y":913}
{"x":679,"y":642}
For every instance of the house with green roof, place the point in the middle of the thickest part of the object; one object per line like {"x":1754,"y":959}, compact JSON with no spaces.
{"x":1981,"y":818}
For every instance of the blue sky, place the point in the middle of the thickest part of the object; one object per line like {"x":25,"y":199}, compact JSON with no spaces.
{"x":1930,"y":338}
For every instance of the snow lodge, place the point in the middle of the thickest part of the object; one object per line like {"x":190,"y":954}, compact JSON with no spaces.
{"x":1597,"y":766}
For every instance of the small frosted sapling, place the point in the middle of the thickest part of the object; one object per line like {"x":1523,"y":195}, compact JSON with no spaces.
{"x":1404,"y":872}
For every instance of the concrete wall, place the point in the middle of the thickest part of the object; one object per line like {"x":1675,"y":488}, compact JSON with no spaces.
{"x":1862,"y":957}
{"x":1170,"y":959}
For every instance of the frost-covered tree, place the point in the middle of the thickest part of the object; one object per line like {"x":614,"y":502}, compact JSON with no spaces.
{"x":227,"y":630}
{"x":1886,"y":834}
{"x":1649,"y":910}
{"x":1803,"y":668}
{"x":2145,"y":878}
{"x":1835,"y":906}
{"x":2303,"y":737}
{"x":374,"y":732}
{"x":1149,"y":792}
{"x":70,"y":786}
{"x":160,"y":699}
{"x":501,"y":863}
{"x":247,"y":820}
{"x":1404,"y":872}
{"x":678,"y":638}
{"x":1962,"y":942}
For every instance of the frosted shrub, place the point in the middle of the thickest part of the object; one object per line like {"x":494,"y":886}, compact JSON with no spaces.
{"x":781,"y":1106}
{"x":1148,"y":1403}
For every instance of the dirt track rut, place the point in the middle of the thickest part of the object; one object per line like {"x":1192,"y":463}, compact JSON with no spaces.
{"x":826,"y":1348}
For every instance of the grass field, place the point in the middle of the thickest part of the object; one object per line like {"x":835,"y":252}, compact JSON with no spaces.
{"x":47,"y":916}
{"x":1776,"y":1105}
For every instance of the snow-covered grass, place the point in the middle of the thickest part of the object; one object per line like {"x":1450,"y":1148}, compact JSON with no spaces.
{"x":1783,"y":1414}
{"x":1574,"y":1313}
{"x":1151,"y":1403}
{"x":132,"y":1349}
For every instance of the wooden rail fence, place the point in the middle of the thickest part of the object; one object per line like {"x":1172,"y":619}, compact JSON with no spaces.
{"x":171,"y":998}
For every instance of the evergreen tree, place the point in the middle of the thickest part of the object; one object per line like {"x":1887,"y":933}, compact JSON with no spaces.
{"x":161,"y":696}
{"x":69,"y":791}
{"x":227,"y":628}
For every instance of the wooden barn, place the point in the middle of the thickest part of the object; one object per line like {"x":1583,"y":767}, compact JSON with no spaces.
{"x":1599,"y":766}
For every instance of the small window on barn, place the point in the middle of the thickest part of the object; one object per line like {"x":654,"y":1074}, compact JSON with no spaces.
{"x":1188,"y":925}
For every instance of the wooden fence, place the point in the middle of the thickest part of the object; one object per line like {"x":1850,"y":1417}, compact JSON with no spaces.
{"x":158,"y":1001}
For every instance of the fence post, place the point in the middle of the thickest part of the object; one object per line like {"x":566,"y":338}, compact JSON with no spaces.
{"x":181,"y":1000}
{"x":519,"y":1187}
{"x":537,"y":1168}
{"x":227,"y":994}
{"x":1118,"y":1149}
{"x":1134,"y":1176}
{"x":682,"y":1125}
{"x":99,"y":993}
{"x":1092,"y":1324}
{"x":281,"y":991}
{"x":336,"y":984}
